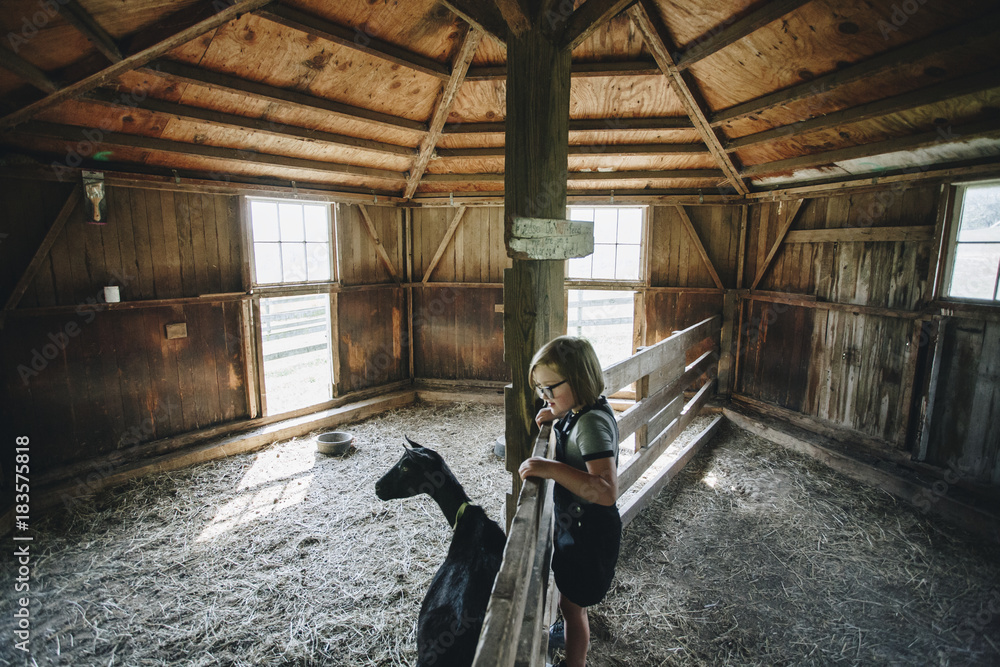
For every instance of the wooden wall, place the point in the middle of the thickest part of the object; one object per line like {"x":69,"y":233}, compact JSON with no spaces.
{"x":457,"y":330}
{"x":965,"y":417}
{"x":87,"y":378}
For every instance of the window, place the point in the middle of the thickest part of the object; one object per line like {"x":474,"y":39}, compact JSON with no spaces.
{"x":291,"y":241}
{"x":295,"y":338}
{"x":975,"y":250}
{"x":617,"y":240}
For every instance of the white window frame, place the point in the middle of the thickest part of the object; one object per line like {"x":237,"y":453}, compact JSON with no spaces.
{"x":252,"y":243}
{"x":615,"y":283}
{"x":958,"y":201}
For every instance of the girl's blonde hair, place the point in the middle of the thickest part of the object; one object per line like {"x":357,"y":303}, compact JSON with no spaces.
{"x":574,"y":360}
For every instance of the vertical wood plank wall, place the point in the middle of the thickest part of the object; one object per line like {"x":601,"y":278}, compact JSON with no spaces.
{"x":87,"y":379}
{"x":457,"y":330}
{"x":118,"y":381}
{"x":848,"y":368}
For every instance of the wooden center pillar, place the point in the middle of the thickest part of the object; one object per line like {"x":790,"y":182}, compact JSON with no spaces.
{"x":537,"y":141}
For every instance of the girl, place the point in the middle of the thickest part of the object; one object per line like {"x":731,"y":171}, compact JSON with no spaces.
{"x":567,"y":375}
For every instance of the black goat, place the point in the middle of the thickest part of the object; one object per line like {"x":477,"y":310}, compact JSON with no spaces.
{"x":451,"y":615}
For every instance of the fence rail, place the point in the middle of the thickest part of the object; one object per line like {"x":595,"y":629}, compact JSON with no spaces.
{"x":515,"y":632}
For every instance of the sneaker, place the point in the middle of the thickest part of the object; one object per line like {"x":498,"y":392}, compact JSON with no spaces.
{"x":557,"y":635}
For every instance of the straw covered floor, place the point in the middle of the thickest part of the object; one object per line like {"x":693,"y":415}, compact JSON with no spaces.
{"x":754,"y":556}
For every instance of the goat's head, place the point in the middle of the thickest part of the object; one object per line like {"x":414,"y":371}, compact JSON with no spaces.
{"x":420,"y":470}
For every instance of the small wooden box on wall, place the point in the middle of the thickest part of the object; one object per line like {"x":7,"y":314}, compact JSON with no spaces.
{"x":177,"y":330}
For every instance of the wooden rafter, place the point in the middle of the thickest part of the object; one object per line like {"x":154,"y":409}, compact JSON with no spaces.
{"x":699,"y":246}
{"x":196,"y":21}
{"x":585,"y":125}
{"x":186,"y":112}
{"x":974,"y":83}
{"x":644,"y":16}
{"x":483,"y":15}
{"x":379,"y":248}
{"x":580,"y":70}
{"x":75,"y":134}
{"x":466,"y":52}
{"x":608,"y":150}
{"x":514,"y":15}
{"x":22,"y":68}
{"x":452,"y":227}
{"x":81,"y":19}
{"x":643,"y":175}
{"x":75,"y":199}
{"x":349,"y":37}
{"x":714,"y":42}
{"x":587,"y":18}
{"x":189,"y":74}
{"x":794,"y":207}
{"x":912,"y":52}
{"x":941,"y":136}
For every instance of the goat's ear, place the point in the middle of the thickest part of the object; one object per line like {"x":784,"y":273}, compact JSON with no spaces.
{"x":409,"y":444}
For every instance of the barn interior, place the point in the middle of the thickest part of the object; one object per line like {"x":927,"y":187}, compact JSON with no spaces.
{"x":231,"y":223}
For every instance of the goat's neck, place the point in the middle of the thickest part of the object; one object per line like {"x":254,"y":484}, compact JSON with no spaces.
{"x":450,"y":498}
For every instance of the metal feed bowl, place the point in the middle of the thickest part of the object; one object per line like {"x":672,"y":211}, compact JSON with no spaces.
{"x":335,"y":443}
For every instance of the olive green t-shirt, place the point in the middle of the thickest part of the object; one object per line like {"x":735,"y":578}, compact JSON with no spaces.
{"x":594,"y":436}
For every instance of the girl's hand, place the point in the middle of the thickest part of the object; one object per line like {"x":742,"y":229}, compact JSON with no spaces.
{"x":544,"y":415}
{"x":536,"y":466}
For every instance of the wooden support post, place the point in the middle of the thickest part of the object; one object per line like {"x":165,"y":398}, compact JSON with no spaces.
{"x":537,"y":148}
{"x":727,"y":342}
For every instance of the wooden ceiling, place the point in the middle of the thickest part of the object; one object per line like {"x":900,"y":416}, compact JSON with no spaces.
{"x":407,"y":99}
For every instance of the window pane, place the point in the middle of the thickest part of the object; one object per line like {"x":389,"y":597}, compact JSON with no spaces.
{"x":980,"y":214}
{"x":293,"y":260}
{"x":581,"y":214}
{"x":579,"y":267}
{"x":267,"y":261}
{"x":975,"y":272}
{"x":318,"y":261}
{"x":264,"y":215}
{"x":317,"y":223}
{"x":605,"y":225}
{"x":604,"y":262}
{"x":290,"y":217}
{"x":630,"y":226}
{"x":627,"y":267}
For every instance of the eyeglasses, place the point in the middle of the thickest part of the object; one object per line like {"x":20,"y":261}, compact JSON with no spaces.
{"x":548,"y":391}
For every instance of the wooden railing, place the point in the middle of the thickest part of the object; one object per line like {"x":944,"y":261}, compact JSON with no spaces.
{"x":516,"y":628}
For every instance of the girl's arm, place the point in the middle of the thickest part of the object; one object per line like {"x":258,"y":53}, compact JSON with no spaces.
{"x":599,"y":484}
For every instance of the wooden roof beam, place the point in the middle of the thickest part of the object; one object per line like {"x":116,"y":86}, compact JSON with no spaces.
{"x":23,"y":69}
{"x":81,"y":19}
{"x":218,"y":118}
{"x":974,"y":83}
{"x":514,"y":15}
{"x":584,"y":125}
{"x":941,"y":136}
{"x":579,"y":70}
{"x":482,"y":15}
{"x":713,"y":42}
{"x":610,"y":150}
{"x":76,"y":134}
{"x":352,"y":38}
{"x":183,"y":26}
{"x":910,"y":53}
{"x":645,"y":175}
{"x":643,"y":14}
{"x":590,"y":16}
{"x":466,"y":52}
{"x":190,"y":74}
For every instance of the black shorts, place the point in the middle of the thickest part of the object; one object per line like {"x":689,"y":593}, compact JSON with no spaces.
{"x":585,"y":547}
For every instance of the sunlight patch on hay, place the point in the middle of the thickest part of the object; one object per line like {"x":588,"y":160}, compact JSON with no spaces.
{"x":256,"y":506}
